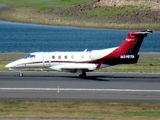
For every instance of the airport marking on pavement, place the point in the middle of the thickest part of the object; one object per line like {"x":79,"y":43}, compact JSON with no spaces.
{"x":82,"y":89}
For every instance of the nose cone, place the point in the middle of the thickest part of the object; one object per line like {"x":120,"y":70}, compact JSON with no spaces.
{"x":10,"y":65}
{"x":14,"y":64}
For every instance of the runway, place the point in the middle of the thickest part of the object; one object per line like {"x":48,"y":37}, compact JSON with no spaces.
{"x":57,"y":86}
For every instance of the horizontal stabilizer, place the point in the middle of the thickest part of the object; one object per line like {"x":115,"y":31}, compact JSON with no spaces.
{"x":147,"y":31}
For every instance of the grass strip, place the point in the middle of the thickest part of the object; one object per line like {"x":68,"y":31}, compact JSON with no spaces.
{"x":44,"y":4}
{"x":85,"y":110}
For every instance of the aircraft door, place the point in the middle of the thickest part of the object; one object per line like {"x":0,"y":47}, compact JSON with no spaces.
{"x":46,"y":59}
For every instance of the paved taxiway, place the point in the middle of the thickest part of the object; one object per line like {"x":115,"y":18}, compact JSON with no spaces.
{"x":131,"y":87}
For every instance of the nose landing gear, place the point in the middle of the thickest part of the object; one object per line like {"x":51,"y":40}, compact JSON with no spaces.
{"x":21,"y":73}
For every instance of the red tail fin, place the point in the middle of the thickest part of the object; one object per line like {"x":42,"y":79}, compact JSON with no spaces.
{"x":131,"y":44}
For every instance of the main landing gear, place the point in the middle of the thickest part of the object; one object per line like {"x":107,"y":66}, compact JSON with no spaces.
{"x":82,"y":75}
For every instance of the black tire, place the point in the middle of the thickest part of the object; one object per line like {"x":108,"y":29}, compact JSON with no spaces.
{"x":83,"y":75}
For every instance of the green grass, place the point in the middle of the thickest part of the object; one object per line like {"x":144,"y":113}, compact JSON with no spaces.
{"x":95,"y":110}
{"x":112,"y":11}
{"x":44,"y":4}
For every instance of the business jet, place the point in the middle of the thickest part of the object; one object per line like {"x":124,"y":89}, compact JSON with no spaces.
{"x":85,"y":61}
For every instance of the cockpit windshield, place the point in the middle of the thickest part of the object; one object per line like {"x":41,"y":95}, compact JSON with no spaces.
{"x":29,"y":56}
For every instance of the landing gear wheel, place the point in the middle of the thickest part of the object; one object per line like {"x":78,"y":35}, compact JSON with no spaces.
{"x":21,"y":74}
{"x":83,"y":75}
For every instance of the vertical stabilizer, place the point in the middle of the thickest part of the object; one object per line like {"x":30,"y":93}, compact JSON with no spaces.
{"x":132,"y":43}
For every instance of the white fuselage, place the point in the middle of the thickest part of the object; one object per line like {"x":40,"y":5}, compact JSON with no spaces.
{"x":62,"y":60}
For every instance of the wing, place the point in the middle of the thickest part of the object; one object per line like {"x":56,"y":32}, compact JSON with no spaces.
{"x":74,"y":67}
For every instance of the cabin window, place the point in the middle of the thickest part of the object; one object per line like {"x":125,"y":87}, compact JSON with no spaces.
{"x":72,"y":56}
{"x":59,"y":57}
{"x":53,"y":57}
{"x":82,"y":56}
{"x":65,"y":57}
